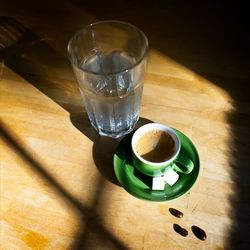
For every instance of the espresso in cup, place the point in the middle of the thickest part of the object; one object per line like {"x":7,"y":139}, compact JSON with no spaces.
{"x":156,"y":149}
{"x":155,"y":146}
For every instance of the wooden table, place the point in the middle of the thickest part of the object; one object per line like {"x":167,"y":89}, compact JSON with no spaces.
{"x":58,"y":189}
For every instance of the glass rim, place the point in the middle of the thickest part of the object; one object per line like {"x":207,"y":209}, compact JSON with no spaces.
{"x":109,"y":21}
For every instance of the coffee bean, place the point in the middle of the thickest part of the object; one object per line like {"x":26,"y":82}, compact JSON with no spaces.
{"x":176,"y":212}
{"x":180,"y":230}
{"x":199,"y":233}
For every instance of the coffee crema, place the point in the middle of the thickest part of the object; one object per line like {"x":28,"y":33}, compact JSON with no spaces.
{"x":155,"y":146}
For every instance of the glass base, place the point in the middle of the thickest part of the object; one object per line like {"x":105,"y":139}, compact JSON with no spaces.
{"x":112,"y":134}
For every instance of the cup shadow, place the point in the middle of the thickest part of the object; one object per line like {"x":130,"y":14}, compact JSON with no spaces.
{"x":103,"y":147}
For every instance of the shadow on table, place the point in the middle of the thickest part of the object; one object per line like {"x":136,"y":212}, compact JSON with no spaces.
{"x":87,"y":214}
{"x":34,"y":60}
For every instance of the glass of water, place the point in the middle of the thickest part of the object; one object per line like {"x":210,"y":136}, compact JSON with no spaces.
{"x":109,"y":60}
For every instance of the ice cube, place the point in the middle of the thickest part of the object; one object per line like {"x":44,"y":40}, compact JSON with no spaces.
{"x":123,"y":83}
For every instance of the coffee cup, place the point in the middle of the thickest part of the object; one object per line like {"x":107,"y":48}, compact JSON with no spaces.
{"x":156,"y":148}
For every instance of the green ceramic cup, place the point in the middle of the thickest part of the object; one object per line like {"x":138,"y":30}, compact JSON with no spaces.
{"x":178,"y":162}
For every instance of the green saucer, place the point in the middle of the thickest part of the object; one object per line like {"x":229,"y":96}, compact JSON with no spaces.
{"x":139,"y":185}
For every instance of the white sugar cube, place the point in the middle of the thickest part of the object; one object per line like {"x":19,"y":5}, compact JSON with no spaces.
{"x":170,"y":176}
{"x":158,"y":183}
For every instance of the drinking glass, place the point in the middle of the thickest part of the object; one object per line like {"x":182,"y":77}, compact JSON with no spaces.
{"x":109,"y":60}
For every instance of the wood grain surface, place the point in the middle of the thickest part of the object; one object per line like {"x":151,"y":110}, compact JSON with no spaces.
{"x":58,"y":189}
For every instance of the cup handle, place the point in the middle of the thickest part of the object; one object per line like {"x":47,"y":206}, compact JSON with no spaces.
{"x":183,"y":165}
